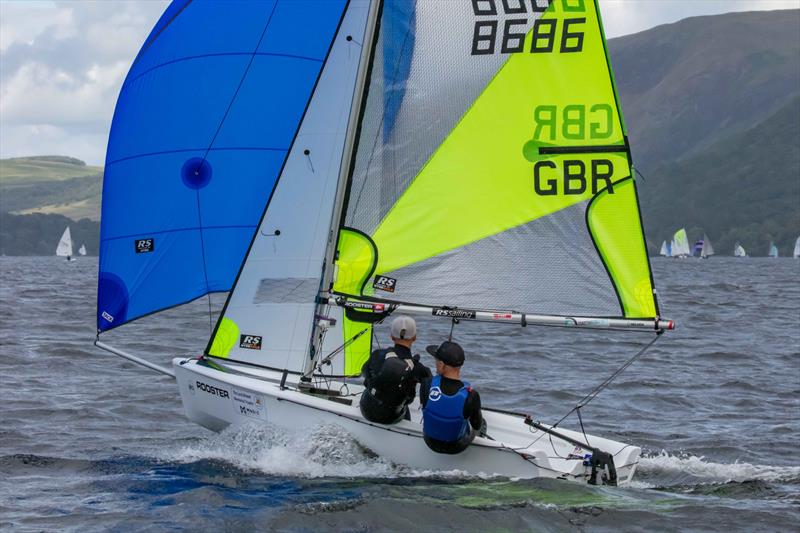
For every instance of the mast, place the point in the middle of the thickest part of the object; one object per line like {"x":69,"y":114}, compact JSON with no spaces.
{"x":346,"y":167}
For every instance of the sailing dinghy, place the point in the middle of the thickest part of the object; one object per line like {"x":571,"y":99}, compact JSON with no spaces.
{"x":773,"y":250}
{"x":680,"y":244}
{"x":64,"y":247}
{"x":332,"y":163}
{"x":796,"y":252}
{"x":706,"y":250}
{"x":82,"y":249}
{"x":738,"y":251}
{"x":665,"y":249}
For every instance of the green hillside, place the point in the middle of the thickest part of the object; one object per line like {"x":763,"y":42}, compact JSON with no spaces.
{"x":744,"y":188}
{"x":27,"y":170}
{"x":50,"y":184}
{"x":38,"y":234}
{"x":711,"y":105}
{"x":688,"y":85}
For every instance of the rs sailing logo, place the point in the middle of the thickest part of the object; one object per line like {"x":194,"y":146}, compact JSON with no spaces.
{"x":251,"y":342}
{"x":144,"y":246}
{"x":384,"y":283}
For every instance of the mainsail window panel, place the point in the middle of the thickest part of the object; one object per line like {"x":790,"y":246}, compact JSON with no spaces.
{"x":287,"y":290}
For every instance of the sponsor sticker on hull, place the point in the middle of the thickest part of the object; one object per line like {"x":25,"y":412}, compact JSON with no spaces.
{"x":211,"y":389}
{"x":249,"y":404}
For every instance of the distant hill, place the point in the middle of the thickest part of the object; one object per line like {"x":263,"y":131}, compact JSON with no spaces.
{"x":27,"y":170}
{"x":711,"y":106}
{"x":50,"y":184}
{"x":38,"y":234}
{"x":743,"y":188}
{"x":687,"y":85}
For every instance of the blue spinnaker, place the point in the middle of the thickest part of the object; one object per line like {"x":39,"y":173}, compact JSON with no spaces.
{"x":201,"y":130}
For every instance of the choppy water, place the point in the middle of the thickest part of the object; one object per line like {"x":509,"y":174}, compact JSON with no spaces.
{"x":89,"y":442}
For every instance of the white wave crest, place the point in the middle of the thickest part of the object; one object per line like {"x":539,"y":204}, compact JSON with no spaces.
{"x":328,"y":451}
{"x":664,"y":463}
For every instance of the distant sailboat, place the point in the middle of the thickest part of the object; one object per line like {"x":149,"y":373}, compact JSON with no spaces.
{"x":697,"y":248}
{"x":680,"y":244}
{"x":82,"y":249}
{"x":738,"y":251}
{"x":796,"y":252}
{"x":666,"y":249}
{"x":64,"y":248}
{"x":773,"y":250}
{"x":706,"y":250}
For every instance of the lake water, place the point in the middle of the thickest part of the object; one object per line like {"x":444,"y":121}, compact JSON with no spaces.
{"x":89,"y":442}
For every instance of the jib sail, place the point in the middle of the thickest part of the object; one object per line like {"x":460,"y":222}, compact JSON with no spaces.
{"x":203,"y":125}
{"x":270,"y":314}
{"x":494,"y":172}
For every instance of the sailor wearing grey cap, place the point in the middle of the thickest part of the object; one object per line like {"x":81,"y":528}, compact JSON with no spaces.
{"x":391,"y":376}
{"x":451,"y":408}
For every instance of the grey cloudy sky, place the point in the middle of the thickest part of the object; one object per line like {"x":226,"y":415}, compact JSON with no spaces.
{"x":62,"y":62}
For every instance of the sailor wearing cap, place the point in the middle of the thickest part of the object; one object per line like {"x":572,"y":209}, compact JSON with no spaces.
{"x":451,"y":409}
{"x":391,"y":376}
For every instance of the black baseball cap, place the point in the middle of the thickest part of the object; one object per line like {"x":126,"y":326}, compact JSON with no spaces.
{"x":449,"y":353}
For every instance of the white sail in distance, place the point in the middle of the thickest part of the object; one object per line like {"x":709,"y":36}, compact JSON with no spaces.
{"x":796,"y":252}
{"x":64,"y":248}
{"x":738,"y":251}
{"x":664,"y":249}
{"x":707,"y":249}
{"x":82,"y":249}
{"x":773,"y":250}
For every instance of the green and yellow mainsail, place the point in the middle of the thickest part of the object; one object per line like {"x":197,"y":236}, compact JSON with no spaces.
{"x":492,"y":170}
{"x":486,"y":167}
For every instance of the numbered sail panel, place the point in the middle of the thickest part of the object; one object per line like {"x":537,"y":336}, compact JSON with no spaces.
{"x":269,"y":315}
{"x":201,"y":129}
{"x":527,"y":200}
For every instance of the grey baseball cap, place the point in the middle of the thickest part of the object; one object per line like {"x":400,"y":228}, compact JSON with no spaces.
{"x":404,"y":327}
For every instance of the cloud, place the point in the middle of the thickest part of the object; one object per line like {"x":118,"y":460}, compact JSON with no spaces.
{"x":61,"y":67}
{"x":62,"y":62}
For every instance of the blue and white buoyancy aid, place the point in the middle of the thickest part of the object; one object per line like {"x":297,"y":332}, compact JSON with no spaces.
{"x":443,"y":415}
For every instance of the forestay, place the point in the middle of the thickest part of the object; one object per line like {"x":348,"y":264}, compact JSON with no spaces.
{"x":202,"y":128}
{"x":492,"y":169}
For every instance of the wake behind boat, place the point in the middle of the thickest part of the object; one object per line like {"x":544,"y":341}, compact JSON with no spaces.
{"x":390,"y":171}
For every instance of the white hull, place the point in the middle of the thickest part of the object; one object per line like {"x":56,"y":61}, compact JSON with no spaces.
{"x":240,"y":394}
